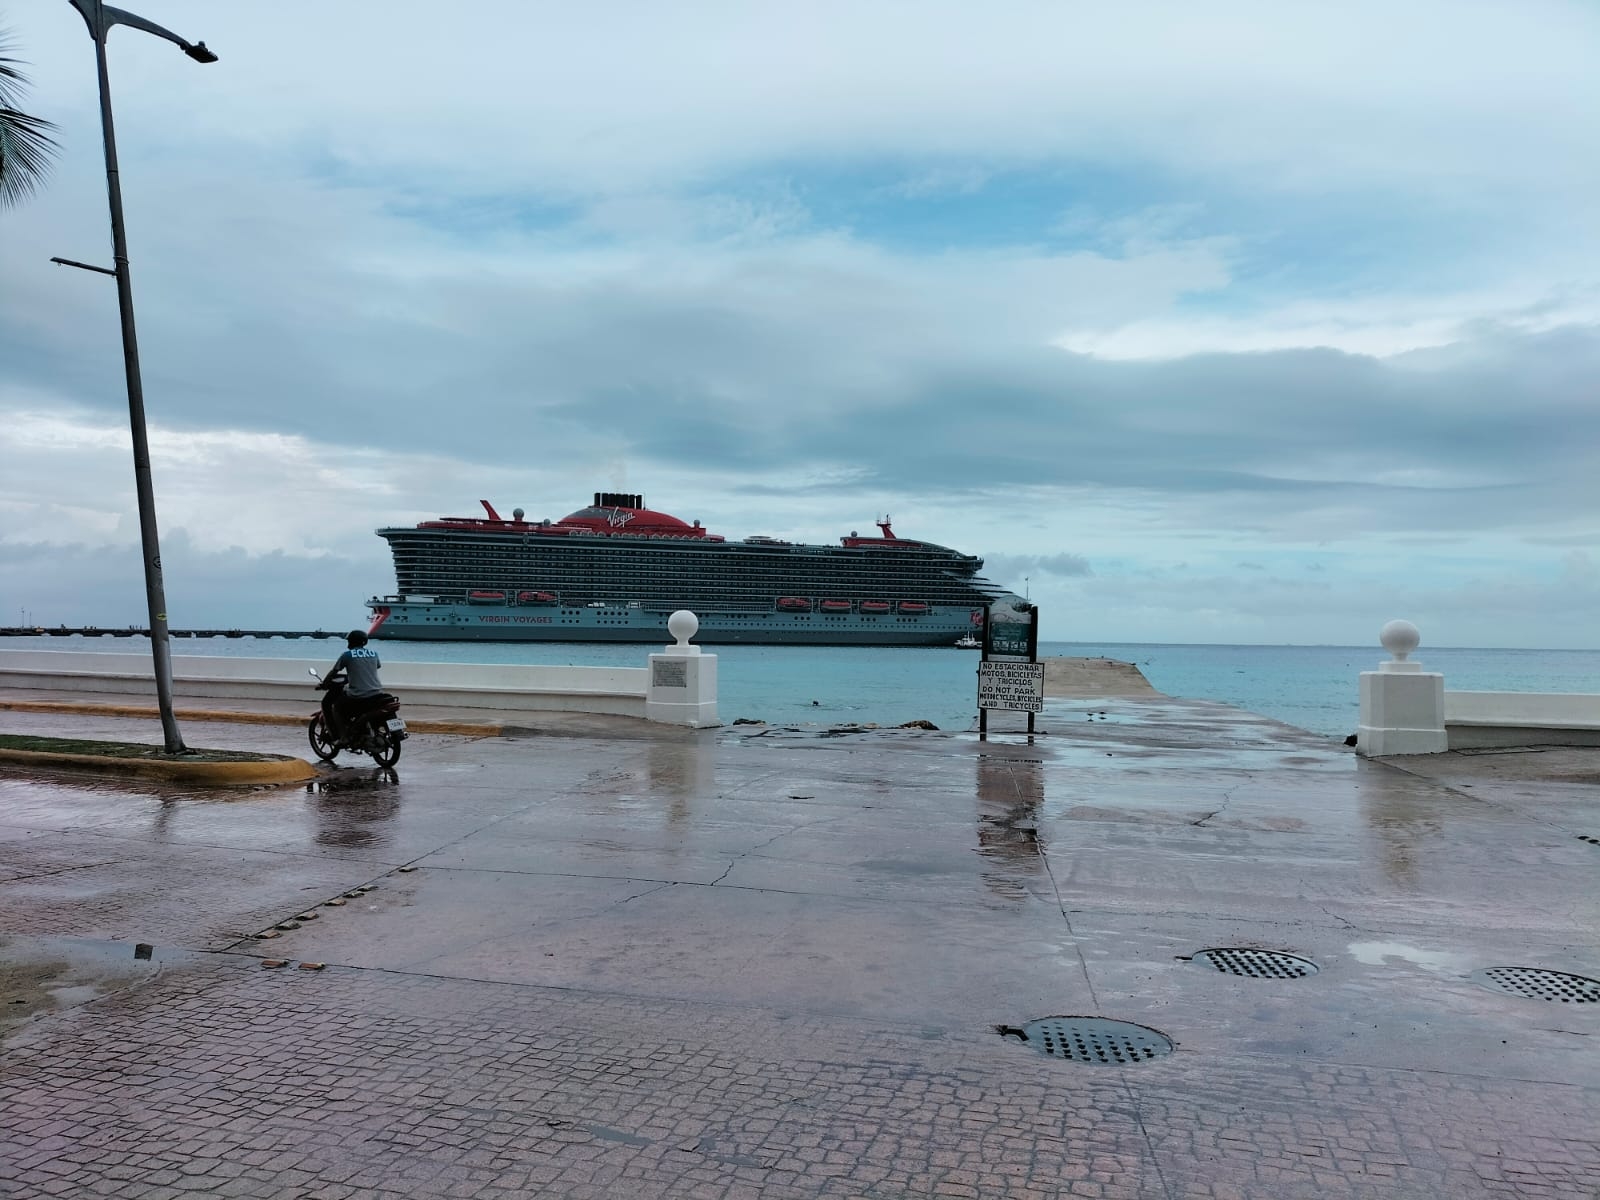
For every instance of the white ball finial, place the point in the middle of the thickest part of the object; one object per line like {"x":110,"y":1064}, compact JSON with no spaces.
{"x":683,"y":625}
{"x":1399,"y":638}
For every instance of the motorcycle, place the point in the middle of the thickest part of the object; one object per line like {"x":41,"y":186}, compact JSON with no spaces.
{"x":377,"y":731}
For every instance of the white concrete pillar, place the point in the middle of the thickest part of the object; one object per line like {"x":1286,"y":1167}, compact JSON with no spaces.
{"x":1402,"y":706}
{"x":683,"y":682}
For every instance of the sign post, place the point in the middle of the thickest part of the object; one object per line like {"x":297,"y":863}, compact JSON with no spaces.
{"x":1010,"y":675}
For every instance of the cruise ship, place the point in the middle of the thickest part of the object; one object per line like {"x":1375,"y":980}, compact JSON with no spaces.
{"x":615,"y":570}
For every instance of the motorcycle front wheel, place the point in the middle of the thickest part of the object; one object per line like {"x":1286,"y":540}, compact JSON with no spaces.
{"x":388,"y":751}
{"x":322,"y":743}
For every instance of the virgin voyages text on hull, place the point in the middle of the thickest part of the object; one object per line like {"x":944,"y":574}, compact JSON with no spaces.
{"x":614,"y":572}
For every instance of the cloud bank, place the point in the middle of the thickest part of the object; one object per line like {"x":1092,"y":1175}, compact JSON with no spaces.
{"x":1240,"y":323}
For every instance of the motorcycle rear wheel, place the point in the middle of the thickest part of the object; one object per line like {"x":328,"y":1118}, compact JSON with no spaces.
{"x":322,"y":743}
{"x":389,"y":752}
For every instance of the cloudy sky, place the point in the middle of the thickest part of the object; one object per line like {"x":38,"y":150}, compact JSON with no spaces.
{"x":1222,"y":322}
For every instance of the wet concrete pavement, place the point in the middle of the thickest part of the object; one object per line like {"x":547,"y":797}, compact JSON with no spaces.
{"x":765,"y":962}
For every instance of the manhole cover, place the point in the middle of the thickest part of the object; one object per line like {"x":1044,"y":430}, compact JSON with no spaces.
{"x":1540,"y":984}
{"x":1258,"y":964}
{"x":1092,"y":1039}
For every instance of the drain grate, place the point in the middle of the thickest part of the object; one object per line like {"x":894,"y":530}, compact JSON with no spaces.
{"x":1092,"y":1039}
{"x":1540,"y":984}
{"x":1258,"y":964}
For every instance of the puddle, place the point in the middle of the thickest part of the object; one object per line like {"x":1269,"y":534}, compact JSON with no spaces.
{"x":1103,"y":715}
{"x":350,"y":779}
{"x":39,"y":976}
{"x":1442,"y":962}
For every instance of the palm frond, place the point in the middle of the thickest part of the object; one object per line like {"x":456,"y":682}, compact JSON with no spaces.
{"x":12,"y":81}
{"x":26,"y":150}
{"x":26,"y":144}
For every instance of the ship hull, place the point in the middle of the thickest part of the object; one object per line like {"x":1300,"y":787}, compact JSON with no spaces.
{"x":402,"y":621}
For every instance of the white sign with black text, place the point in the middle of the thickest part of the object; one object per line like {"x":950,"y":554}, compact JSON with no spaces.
{"x":1016,"y":686}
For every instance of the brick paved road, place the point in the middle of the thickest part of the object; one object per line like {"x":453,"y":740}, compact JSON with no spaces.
{"x":731,"y":967}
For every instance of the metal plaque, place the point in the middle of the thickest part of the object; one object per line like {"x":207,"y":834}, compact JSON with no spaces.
{"x":669,"y":673}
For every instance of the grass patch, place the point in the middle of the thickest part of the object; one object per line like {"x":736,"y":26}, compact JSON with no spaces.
{"x":134,"y":750}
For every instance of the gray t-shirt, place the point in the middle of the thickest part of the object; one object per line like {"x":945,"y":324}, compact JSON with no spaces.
{"x":361,"y":667}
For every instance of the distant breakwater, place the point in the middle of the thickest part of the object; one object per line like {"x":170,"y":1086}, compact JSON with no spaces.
{"x":132,"y":631}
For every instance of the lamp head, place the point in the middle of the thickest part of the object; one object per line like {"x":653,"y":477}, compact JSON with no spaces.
{"x":199,"y":53}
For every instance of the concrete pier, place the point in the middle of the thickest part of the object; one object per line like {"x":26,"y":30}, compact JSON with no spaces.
{"x":771,"y":962}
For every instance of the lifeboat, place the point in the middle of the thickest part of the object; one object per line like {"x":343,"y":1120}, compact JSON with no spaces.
{"x":794,"y":604}
{"x":478,"y":597}
{"x":536,"y":597}
{"x":913,"y":607}
{"x":836,"y":606}
{"x":874,"y":606}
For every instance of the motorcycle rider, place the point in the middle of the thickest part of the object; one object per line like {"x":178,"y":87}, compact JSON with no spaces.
{"x":361,"y":688}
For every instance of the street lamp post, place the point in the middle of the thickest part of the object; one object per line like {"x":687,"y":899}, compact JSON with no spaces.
{"x":100,"y":18}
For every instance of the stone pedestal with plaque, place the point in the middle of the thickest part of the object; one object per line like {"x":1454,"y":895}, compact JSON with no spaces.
{"x":683,"y":681}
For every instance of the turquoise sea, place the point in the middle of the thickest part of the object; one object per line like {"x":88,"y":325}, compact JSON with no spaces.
{"x":1314,"y":687}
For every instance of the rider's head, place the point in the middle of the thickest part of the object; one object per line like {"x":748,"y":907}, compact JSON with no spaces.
{"x":355,"y":638}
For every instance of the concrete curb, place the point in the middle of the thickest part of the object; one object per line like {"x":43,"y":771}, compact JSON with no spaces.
{"x":277,"y":770}
{"x":464,"y":728}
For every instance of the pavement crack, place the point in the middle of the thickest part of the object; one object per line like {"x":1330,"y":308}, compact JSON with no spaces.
{"x":604,"y":908}
{"x":758,"y":847}
{"x":62,"y":871}
{"x":502,"y":934}
{"x":637,"y":895}
{"x":1150,"y":1146}
{"x":1227,"y":799}
{"x":1345,"y":921}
